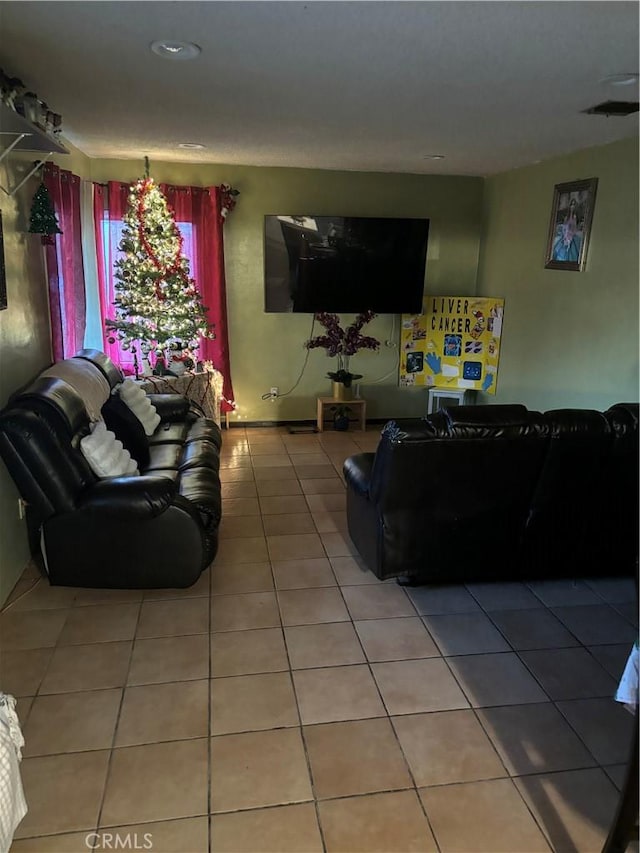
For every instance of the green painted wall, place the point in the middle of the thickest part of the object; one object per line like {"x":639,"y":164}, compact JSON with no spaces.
{"x":570,"y":339}
{"x":267,"y":349}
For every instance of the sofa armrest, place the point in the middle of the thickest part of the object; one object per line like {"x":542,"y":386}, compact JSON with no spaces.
{"x":357,"y":472}
{"x":130,"y":497}
{"x":170,"y":407}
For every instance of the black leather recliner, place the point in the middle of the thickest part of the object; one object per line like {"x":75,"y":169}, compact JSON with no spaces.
{"x":498,"y":492}
{"x":151,"y":531}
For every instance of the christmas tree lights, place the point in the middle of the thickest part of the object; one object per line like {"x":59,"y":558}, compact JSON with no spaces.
{"x":156,"y":300}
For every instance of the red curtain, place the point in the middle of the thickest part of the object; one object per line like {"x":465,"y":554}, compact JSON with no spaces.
{"x":65,"y":270}
{"x":204,"y":246}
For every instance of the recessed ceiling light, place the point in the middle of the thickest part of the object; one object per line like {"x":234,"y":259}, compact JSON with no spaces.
{"x":433,"y":157}
{"x":191,"y":146}
{"x":175,"y":49}
{"x":620,"y":79}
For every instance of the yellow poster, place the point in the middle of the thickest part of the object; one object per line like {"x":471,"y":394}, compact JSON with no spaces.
{"x":454,"y":343}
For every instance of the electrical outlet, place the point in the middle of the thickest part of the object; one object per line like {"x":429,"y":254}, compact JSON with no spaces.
{"x":274,"y":391}
{"x":21,"y":508}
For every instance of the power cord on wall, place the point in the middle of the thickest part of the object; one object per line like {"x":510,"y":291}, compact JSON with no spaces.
{"x":390,"y":342}
{"x":269,"y":395}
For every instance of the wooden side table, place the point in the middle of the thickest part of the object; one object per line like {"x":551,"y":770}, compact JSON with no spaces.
{"x":359,"y":406}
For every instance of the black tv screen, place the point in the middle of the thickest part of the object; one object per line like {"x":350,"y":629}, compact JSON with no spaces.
{"x":344,"y":264}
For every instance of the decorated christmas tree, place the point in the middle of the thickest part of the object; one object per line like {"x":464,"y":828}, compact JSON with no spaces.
{"x":157,"y":302}
{"x":43,"y":218}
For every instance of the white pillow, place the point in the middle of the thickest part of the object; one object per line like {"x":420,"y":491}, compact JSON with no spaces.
{"x":134,"y":397}
{"x":106,"y":455}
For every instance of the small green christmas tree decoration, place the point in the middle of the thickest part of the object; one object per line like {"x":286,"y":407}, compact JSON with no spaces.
{"x":43,"y":218}
{"x":156,"y":300}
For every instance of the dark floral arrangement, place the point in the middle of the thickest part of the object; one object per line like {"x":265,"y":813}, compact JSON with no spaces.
{"x":343,"y":343}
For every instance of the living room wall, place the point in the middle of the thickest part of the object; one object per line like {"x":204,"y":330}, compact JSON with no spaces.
{"x":268,"y":349}
{"x":570,"y":339}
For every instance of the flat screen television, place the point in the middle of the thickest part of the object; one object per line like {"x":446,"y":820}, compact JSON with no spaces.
{"x":344,"y":264}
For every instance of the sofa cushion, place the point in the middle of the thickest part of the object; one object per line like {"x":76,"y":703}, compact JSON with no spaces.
{"x":105,"y":454}
{"x":120,"y":419}
{"x":135,"y":398}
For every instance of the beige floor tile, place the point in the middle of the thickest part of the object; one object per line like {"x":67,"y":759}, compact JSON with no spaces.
{"x":248,"y":703}
{"x":89,"y":667}
{"x":603,"y":725}
{"x":350,"y":571}
{"x":174,"y":618}
{"x":442,"y":599}
{"x":230,"y":491}
{"x":534,"y":739}
{"x":465,"y":634}
{"x":296,"y":444}
{"x":303,"y":573}
{"x":23,"y":670}
{"x":43,"y":596}
{"x":196,"y":590}
{"x":168,"y":836}
{"x":266,"y":446}
{"x":169,"y":659}
{"x":355,"y":757}
{"x":396,"y":639}
{"x":23,"y":708}
{"x":312,"y":606}
{"x":242,"y":612}
{"x":503,"y":596}
{"x":612,"y":658}
{"x":281,"y":472}
{"x":258,"y":769}
{"x":327,"y":503}
{"x":338,"y":545}
{"x":568,"y":673}
{"x":156,"y":781}
{"x":283,"y":504}
{"x":337,"y":693}
{"x":100,"y":623}
{"x":575,"y":808}
{"x":330,"y":522}
{"x":497,"y":679}
{"x":33,"y":629}
{"x":331,"y":644}
{"x":162,"y":712}
{"x":495,"y":818}
{"x":57,"y":803}
{"x":230,"y":461}
{"x":323,"y":486}
{"x":72,"y":722}
{"x":617,"y":773}
{"x":300,"y":460}
{"x":447,"y":746}
{"x":294,"y":547}
{"x":311,"y":472}
{"x":377,"y":602}
{"x":253,"y":549}
{"x":283,"y":829}
{"x":414,"y":686}
{"x":556,"y":593}
{"x":236,"y":475}
{"x":288,"y":523}
{"x":376,"y":823}
{"x":240,"y":527}
{"x":241,"y":578}
{"x":593,"y":624}
{"x":532,"y":629}
{"x":85,"y":597}
{"x":248,"y":652}
{"x":614,"y":590}
{"x":241,"y":507}
{"x":271,"y":460}
{"x":278,"y":488}
{"x":72,"y":842}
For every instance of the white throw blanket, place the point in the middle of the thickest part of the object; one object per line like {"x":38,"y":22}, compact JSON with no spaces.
{"x":86,"y":381}
{"x":13,"y":806}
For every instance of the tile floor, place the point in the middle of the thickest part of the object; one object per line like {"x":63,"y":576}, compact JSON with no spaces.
{"x":289,"y":701}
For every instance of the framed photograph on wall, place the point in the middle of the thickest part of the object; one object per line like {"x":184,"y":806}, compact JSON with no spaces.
{"x":3,"y":274}
{"x":570,"y":226}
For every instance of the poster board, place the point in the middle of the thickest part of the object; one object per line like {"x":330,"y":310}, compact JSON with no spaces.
{"x":454,"y":343}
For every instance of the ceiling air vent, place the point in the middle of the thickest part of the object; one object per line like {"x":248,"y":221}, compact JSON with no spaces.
{"x":613,"y":108}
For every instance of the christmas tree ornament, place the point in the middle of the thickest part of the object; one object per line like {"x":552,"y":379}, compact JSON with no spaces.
{"x":42,"y":219}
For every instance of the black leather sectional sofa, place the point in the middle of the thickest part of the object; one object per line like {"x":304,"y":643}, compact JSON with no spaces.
{"x":156,"y":530}
{"x":499,"y":492}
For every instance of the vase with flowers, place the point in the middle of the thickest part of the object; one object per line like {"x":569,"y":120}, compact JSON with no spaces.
{"x":341,"y":343}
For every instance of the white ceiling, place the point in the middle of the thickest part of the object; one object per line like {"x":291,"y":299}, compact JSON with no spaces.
{"x":367,"y":86}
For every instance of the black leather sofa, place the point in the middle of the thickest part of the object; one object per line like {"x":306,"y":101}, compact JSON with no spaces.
{"x":498,"y":492}
{"x":156,"y":530}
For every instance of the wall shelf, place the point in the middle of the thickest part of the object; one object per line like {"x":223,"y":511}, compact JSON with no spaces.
{"x":21,"y":135}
